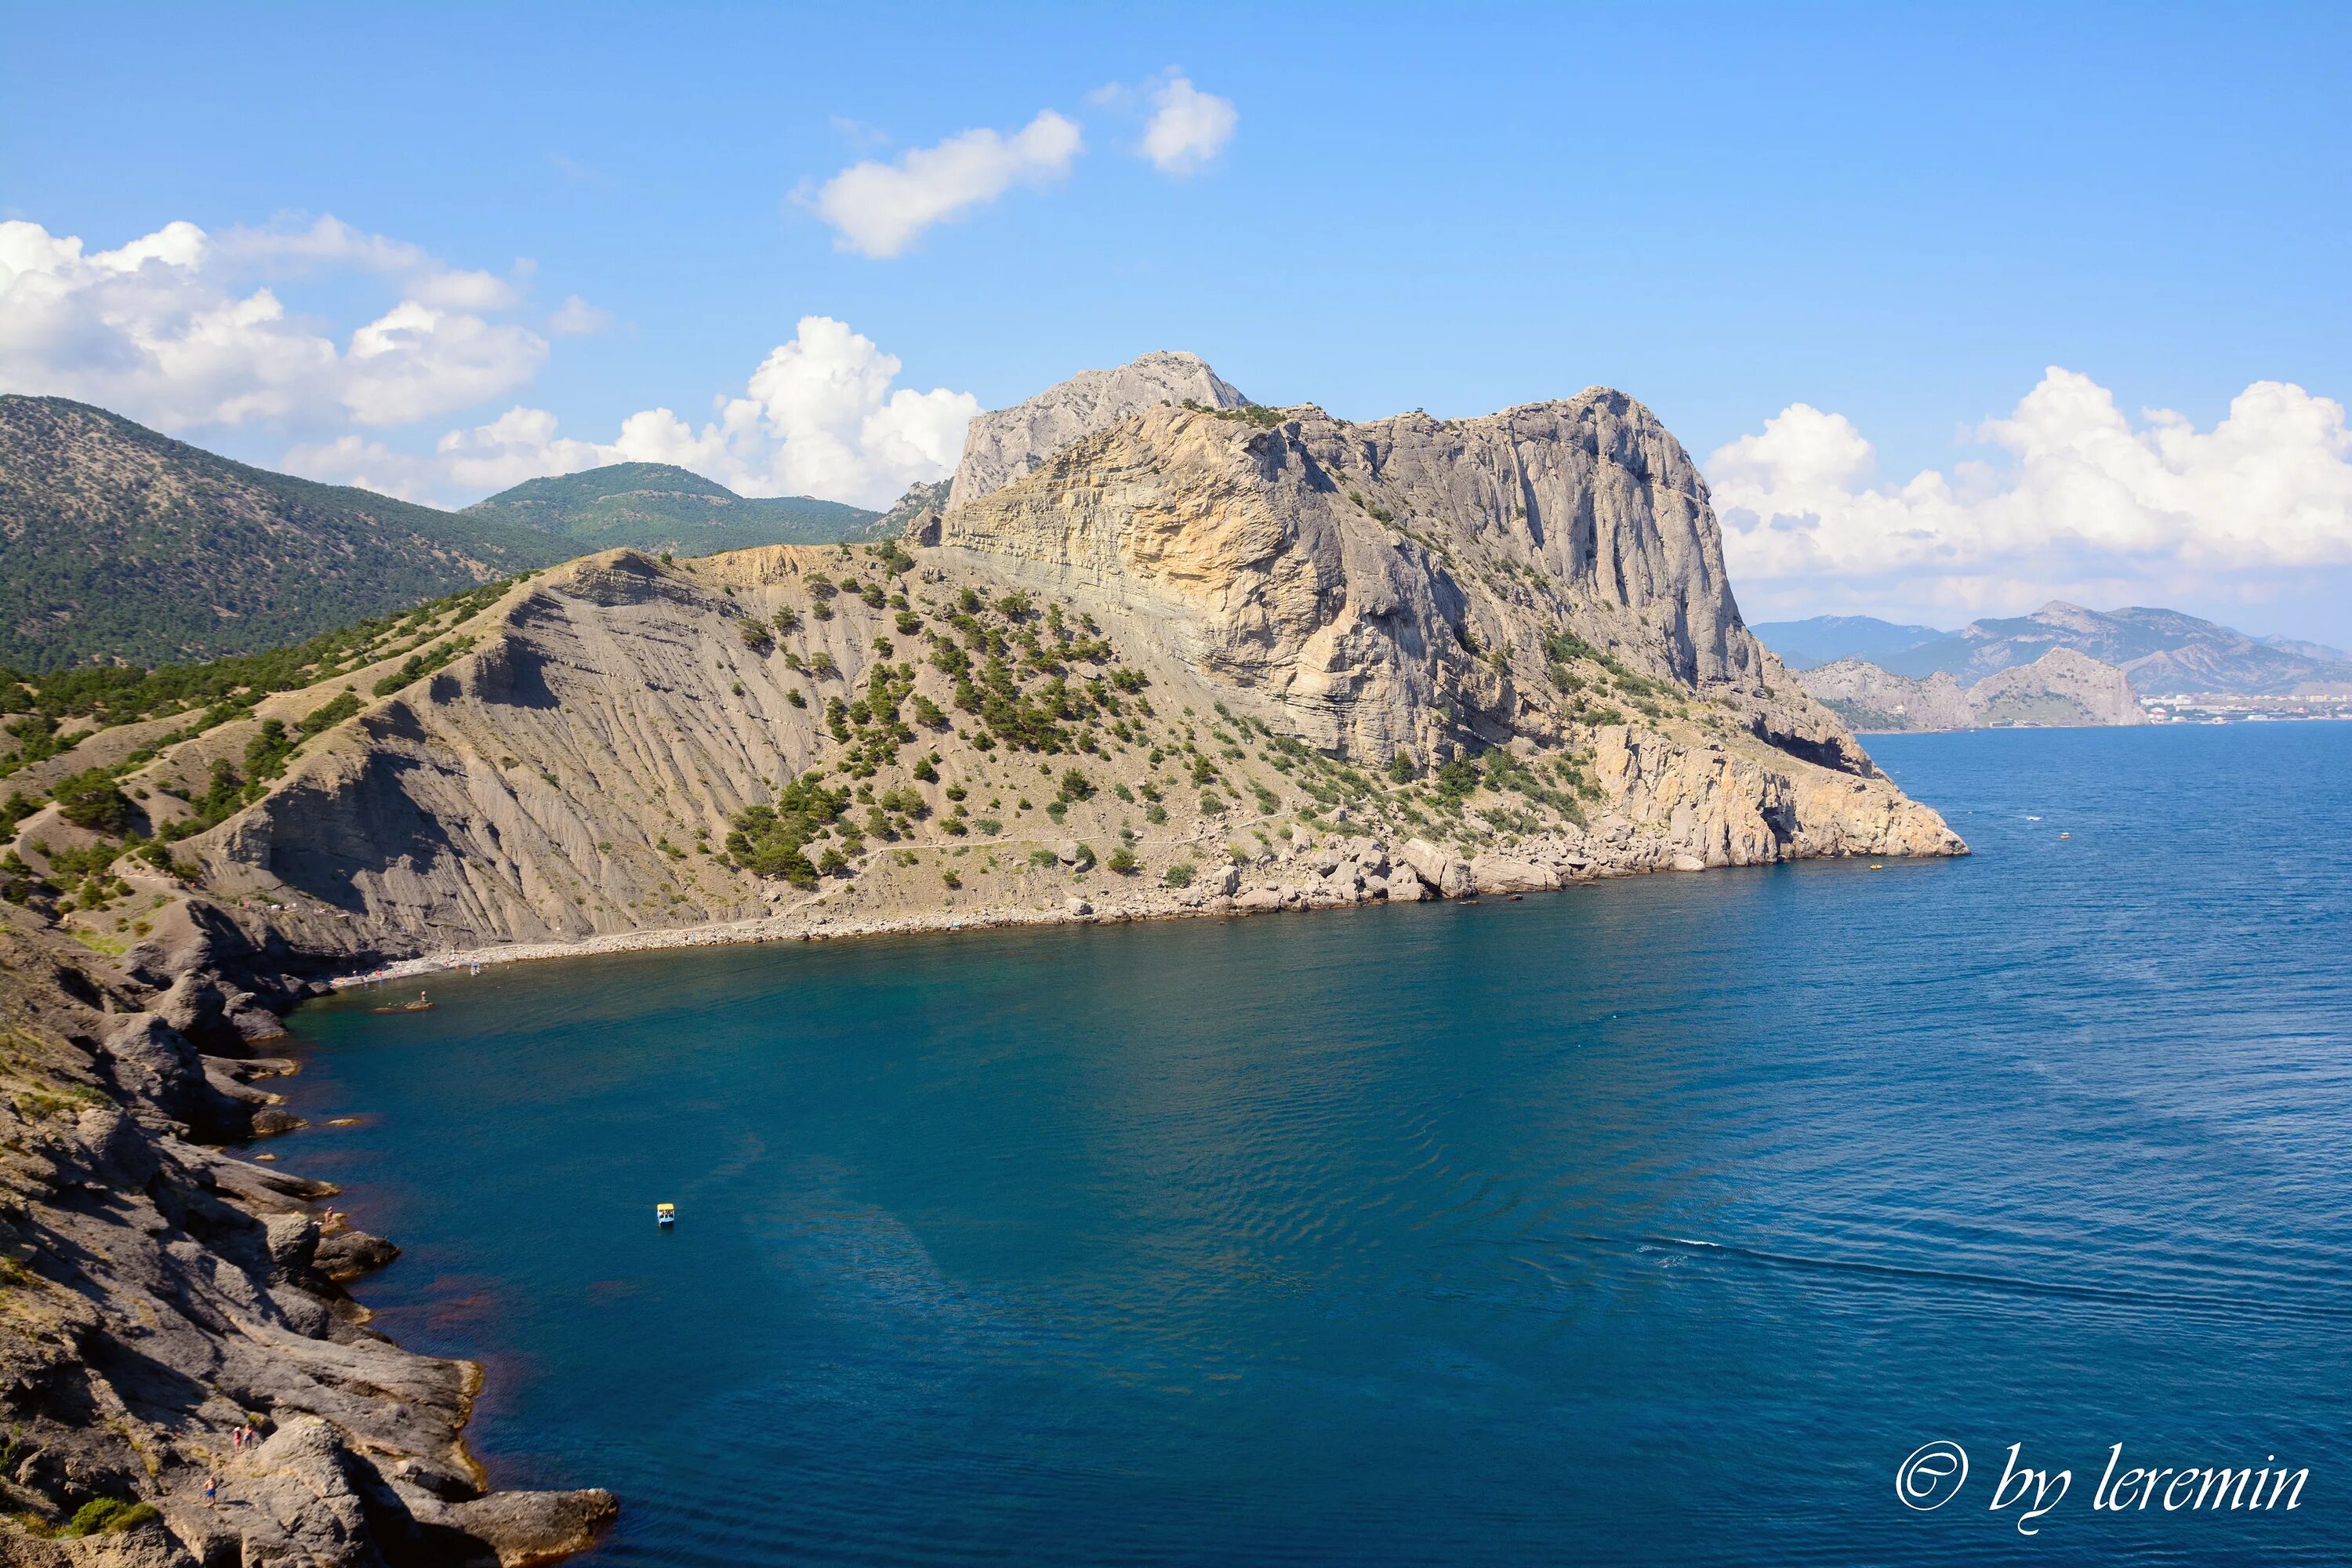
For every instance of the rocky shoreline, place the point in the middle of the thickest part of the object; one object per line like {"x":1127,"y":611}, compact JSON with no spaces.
{"x":187,"y":1376}
{"x":1303,"y":874}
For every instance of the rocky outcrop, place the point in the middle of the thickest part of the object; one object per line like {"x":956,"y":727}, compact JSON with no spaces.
{"x":1004,"y":444}
{"x":163,"y":1296}
{"x":1869,"y":697}
{"x":2062,"y":688}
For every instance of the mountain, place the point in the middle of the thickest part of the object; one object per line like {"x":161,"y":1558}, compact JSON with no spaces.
{"x":1825,"y":639}
{"x":2312,"y":650}
{"x":2162,"y":651}
{"x":1199,"y":658}
{"x":655,"y":505}
{"x":124,"y":544}
{"x":2060,"y":689}
{"x":1001,"y":445}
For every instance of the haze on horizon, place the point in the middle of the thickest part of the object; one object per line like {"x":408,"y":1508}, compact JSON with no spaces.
{"x":1957,"y":315}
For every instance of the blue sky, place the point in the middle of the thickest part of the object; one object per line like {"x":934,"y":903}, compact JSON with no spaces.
{"x":1894,"y":219}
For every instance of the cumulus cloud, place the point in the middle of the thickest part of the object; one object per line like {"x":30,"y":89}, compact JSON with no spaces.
{"x":180,"y":329}
{"x":879,"y":209}
{"x":2081,"y":502}
{"x":1188,"y":127}
{"x":821,"y":415}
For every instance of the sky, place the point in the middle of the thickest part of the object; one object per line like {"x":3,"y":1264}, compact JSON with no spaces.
{"x":1959,"y":308}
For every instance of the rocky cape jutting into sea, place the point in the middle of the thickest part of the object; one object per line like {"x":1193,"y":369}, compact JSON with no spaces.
{"x":1166,"y":652}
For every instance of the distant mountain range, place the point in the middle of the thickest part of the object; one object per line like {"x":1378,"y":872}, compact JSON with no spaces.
{"x":655,"y":505}
{"x":118,"y":543}
{"x":2161,"y":651}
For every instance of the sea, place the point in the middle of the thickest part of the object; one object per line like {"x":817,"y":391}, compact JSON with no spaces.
{"x":1914,"y":1212}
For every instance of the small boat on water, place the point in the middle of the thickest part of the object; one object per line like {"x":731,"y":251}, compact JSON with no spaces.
{"x":665,"y":1214}
{"x":419,"y":1006}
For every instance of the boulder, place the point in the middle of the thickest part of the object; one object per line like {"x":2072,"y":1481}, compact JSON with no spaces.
{"x":1441,"y":868}
{"x":1493,"y":873}
{"x":535,"y":1527}
{"x":293,"y":1240}
{"x":348,"y":1254}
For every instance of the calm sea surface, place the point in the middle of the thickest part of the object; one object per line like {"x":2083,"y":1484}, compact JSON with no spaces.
{"x":1657,"y":1221}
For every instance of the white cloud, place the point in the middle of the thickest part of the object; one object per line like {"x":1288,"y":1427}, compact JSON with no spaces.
{"x":465,"y":291}
{"x":879,"y":209}
{"x":1188,"y":127}
{"x":174,"y":330}
{"x":2082,"y":504}
{"x":576,"y":318}
{"x":821,"y":417}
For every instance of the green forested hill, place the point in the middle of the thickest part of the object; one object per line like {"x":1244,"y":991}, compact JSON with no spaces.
{"x":120,"y":543}
{"x":655,"y":506}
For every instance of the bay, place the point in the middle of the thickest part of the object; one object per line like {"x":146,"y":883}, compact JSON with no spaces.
{"x":1653,"y":1222}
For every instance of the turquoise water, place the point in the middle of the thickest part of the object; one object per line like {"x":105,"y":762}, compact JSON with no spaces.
{"x":1656,"y":1222}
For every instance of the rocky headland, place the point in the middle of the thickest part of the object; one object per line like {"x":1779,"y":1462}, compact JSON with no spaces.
{"x":2062,"y":688}
{"x":1163,"y":652}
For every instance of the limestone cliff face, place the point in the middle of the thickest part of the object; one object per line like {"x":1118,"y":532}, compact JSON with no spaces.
{"x":1007,"y":443}
{"x":1392,"y":585}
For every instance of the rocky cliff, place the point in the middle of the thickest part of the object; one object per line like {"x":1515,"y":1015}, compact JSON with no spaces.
{"x":2062,"y":688}
{"x":1007,"y":443}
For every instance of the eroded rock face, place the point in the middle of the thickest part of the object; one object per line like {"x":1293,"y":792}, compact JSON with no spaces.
{"x":1364,"y":577}
{"x":1008,"y":443}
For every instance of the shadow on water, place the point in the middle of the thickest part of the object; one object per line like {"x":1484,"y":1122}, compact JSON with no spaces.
{"x":1651,"y":1222}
